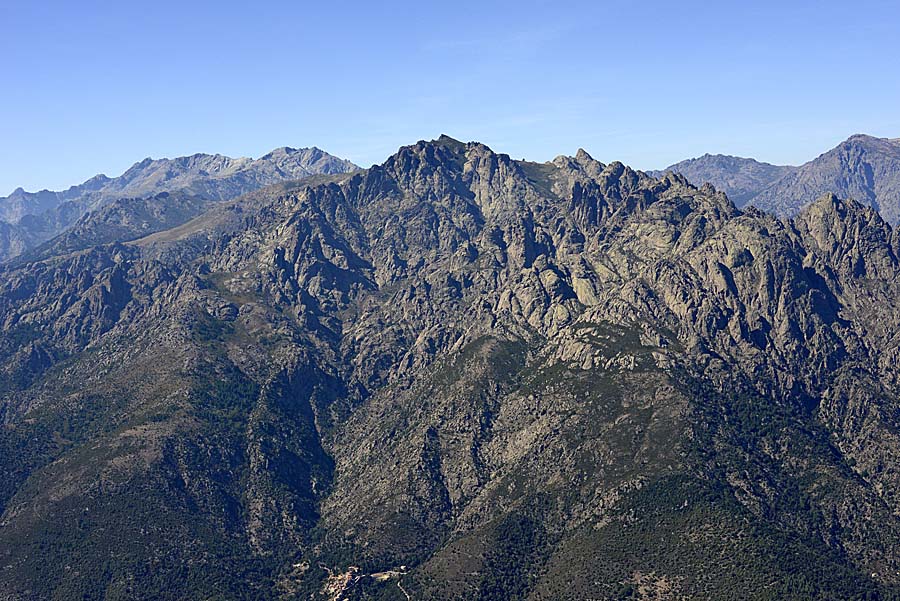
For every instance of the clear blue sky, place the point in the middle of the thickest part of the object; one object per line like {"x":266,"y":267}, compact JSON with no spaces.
{"x":93,"y":87}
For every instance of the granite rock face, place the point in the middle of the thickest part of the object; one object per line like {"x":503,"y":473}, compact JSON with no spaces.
{"x":454,"y":376}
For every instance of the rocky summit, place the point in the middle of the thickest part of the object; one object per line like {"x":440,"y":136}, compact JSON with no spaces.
{"x":455,"y":376}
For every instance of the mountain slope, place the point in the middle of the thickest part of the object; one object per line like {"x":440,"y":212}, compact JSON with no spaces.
{"x":21,"y":203}
{"x":741,"y":179}
{"x":864,"y":168}
{"x":36,"y":217}
{"x":458,"y":376}
{"x":122,"y":220}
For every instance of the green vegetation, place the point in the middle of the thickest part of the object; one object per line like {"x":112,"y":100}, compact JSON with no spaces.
{"x":690,"y":537}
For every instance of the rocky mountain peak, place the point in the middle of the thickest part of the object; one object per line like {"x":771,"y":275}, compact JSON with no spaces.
{"x":282,"y":151}
{"x":853,"y":236}
{"x":448,"y":141}
{"x":582,"y":156}
{"x":97,"y":181}
{"x":867,"y":139}
{"x":676,"y":178}
{"x":830,"y":203}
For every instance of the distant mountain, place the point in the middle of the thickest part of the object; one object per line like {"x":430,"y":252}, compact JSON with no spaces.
{"x":33,"y":217}
{"x":122,"y":220}
{"x":741,"y":179}
{"x":13,"y":240}
{"x":218,"y":177}
{"x":20,"y":203}
{"x":864,"y":168}
{"x":455,"y":376}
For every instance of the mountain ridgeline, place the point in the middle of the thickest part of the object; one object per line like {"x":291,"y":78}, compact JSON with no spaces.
{"x":862,"y":168}
{"x":457,"y":376}
{"x":739,"y":178}
{"x":29,"y":218}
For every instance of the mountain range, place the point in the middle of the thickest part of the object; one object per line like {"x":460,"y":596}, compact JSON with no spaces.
{"x":740,"y":178}
{"x":455,"y":375}
{"x":864,"y":168}
{"x":29,"y":218}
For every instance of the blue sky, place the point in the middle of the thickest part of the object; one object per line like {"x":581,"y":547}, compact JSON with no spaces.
{"x":94,"y":87}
